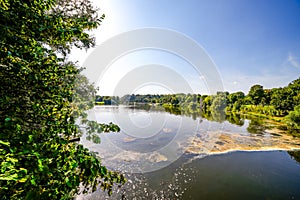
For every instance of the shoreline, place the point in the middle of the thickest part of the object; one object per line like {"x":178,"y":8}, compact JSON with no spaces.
{"x":248,"y":150}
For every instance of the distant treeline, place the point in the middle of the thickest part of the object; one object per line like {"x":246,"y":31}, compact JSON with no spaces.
{"x":275,"y":102}
{"x":107,"y":100}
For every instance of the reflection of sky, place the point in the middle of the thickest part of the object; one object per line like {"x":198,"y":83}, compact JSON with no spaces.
{"x":250,"y":41}
{"x":155,"y":139}
{"x":160,"y":136}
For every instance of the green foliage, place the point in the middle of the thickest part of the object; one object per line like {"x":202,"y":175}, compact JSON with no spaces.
{"x":41,"y":97}
{"x":234,"y":118}
{"x":293,"y":118}
{"x":256,"y":126}
{"x":206,"y":103}
{"x":234,"y":97}
{"x":266,"y":110}
{"x":219,"y":102}
{"x":256,"y":94}
{"x":268,"y":103}
{"x":174,"y":100}
{"x":237,"y":105}
{"x":282,"y":100}
{"x":218,"y":115}
{"x":107,"y":100}
{"x":235,"y":101}
{"x":266,"y":100}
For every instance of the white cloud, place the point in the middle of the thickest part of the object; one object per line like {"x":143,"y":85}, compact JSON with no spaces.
{"x":293,"y":60}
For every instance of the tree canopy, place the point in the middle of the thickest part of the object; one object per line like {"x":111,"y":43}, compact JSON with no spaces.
{"x":40,"y":101}
{"x":256,"y":94}
{"x":274,"y":102}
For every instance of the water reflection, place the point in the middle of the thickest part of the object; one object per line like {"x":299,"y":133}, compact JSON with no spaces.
{"x":256,"y":125}
{"x":236,"y":119}
{"x":238,"y":175}
{"x":295,"y":155}
{"x":190,"y":176}
{"x":254,"y":133}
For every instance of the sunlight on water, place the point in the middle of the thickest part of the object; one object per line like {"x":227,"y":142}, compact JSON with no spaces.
{"x":158,"y":151}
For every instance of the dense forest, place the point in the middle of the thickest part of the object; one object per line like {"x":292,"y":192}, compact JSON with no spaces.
{"x":281,"y":104}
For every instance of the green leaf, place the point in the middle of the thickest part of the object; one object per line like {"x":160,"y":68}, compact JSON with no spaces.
{"x":22,"y":180}
{"x":68,"y":182}
{"x":18,"y":127}
{"x":103,"y":171}
{"x":10,"y":177}
{"x":32,"y":181}
{"x":30,"y":138}
{"x":4,"y":143}
{"x":40,"y":165}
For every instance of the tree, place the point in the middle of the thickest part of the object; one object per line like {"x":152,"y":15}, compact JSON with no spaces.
{"x":233,"y":97}
{"x":256,"y":94}
{"x":219,"y":102}
{"x":234,"y":101}
{"x":206,"y":103}
{"x":267,"y":96}
{"x":218,"y":106}
{"x":41,"y":100}
{"x":293,"y":118}
{"x":282,"y":100}
{"x":237,"y":105}
{"x":174,"y":100}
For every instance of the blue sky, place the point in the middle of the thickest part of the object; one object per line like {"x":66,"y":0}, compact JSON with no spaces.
{"x":250,"y":41}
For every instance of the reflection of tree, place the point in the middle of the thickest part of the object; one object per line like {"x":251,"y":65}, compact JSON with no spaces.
{"x":256,"y":126}
{"x":295,"y":155}
{"x":219,"y":102}
{"x":218,"y":116}
{"x":234,"y":118}
{"x":194,"y":113}
{"x":143,"y":106}
{"x":207,"y":115}
{"x":173,"y":110}
{"x":194,"y":116}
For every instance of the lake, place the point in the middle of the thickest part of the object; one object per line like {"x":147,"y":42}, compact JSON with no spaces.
{"x":175,"y":156}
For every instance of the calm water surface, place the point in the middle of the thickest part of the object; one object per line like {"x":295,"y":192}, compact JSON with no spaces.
{"x":167,"y":156}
